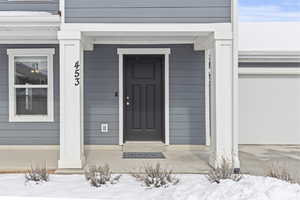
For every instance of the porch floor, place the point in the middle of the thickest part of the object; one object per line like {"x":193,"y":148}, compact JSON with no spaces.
{"x":255,"y":159}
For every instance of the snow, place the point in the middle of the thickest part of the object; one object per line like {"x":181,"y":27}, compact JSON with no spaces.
{"x":23,"y":14}
{"x":190,"y":187}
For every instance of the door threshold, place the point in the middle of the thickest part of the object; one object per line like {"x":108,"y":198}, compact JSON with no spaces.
{"x":144,"y":146}
{"x":144,"y":142}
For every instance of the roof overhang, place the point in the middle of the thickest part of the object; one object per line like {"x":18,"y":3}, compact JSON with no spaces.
{"x":28,"y":27}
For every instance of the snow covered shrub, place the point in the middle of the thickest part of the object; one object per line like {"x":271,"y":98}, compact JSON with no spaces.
{"x":98,"y":176}
{"x":280,"y":172}
{"x":224,"y":171}
{"x":155,"y":177}
{"x":37,"y":174}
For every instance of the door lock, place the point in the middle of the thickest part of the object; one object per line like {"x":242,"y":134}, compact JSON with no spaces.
{"x":127,"y":98}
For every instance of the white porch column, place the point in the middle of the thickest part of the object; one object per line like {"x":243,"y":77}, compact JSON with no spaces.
{"x":223,"y":102}
{"x":71,"y":100}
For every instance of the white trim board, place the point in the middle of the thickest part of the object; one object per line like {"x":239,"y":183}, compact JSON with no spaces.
{"x":143,"y":51}
{"x":268,"y":71}
{"x":176,"y":29}
{"x":62,"y":10}
{"x":34,"y":21}
{"x":91,"y":147}
{"x":56,"y":147}
{"x":207,"y":97}
{"x":269,"y":56}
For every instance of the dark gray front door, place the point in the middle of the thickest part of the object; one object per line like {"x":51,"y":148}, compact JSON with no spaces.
{"x":143,"y":98}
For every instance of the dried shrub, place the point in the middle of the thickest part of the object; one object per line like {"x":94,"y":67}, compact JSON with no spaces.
{"x":155,"y":177}
{"x":37,"y":174}
{"x":280,"y":172}
{"x":98,"y":176}
{"x":224,"y":171}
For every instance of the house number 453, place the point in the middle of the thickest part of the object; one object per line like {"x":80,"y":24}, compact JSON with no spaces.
{"x":77,"y":73}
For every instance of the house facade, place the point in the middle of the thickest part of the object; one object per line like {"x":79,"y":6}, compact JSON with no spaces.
{"x":104,"y":73}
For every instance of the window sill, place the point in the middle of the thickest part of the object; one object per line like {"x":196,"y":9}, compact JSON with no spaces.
{"x":31,"y":118}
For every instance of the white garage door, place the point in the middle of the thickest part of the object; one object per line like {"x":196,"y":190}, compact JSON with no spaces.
{"x":269,"y":109}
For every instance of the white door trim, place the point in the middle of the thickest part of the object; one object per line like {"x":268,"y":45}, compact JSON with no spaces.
{"x":144,"y":51}
{"x":207,"y":97}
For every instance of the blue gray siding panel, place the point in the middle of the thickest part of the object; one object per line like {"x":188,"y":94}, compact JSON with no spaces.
{"x":187,"y":94}
{"x":47,"y":6}
{"x":187,"y":98}
{"x":201,"y":11}
{"x":16,"y":133}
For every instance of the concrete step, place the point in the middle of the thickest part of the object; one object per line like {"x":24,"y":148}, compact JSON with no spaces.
{"x":144,"y":147}
{"x":69,"y":171}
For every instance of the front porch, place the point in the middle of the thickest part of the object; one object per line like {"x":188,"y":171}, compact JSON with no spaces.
{"x":255,"y":159}
{"x":182,"y":159}
{"x":106,"y":45}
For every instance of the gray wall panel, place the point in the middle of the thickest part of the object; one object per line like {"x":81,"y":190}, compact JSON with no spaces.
{"x":201,"y":11}
{"x":47,"y":6}
{"x":282,"y":65}
{"x":15,"y":133}
{"x":187,"y":94}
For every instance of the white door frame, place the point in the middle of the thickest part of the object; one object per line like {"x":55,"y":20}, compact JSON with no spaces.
{"x":144,"y":51}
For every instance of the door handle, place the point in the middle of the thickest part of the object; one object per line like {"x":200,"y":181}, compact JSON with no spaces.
{"x":127,"y":103}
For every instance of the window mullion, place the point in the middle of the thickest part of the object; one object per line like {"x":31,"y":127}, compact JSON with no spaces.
{"x":31,"y":86}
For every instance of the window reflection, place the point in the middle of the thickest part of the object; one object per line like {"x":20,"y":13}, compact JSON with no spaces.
{"x":31,"y":101}
{"x":31,"y":70}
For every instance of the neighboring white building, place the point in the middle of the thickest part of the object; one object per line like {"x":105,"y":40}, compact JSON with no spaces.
{"x":269,"y":83}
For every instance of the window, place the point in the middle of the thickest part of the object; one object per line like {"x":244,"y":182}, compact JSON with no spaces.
{"x":30,"y":0}
{"x":30,"y":85}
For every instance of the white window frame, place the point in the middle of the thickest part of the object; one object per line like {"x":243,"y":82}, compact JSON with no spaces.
{"x":145,"y":51}
{"x":32,"y":0}
{"x":12,"y":53}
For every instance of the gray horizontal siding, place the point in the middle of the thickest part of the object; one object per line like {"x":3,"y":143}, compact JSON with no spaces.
{"x":16,"y":133}
{"x":277,"y":65}
{"x":187,"y":94}
{"x":101,"y":80}
{"x":47,"y":6}
{"x":201,"y":11}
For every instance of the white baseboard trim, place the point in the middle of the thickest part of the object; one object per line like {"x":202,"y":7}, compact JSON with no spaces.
{"x":29,"y":147}
{"x":56,"y":147}
{"x":95,"y":147}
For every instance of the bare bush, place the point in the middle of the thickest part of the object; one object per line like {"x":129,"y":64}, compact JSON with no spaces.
{"x":37,"y":174}
{"x":100,"y":175}
{"x":155,"y":177}
{"x":224,"y":171}
{"x":280,"y":172}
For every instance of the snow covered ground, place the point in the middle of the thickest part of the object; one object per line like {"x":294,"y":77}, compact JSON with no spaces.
{"x":190,"y":187}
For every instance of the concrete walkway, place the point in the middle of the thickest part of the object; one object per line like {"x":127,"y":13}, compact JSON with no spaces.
{"x":179,"y":160}
{"x":255,"y":159}
{"x":258,"y":159}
